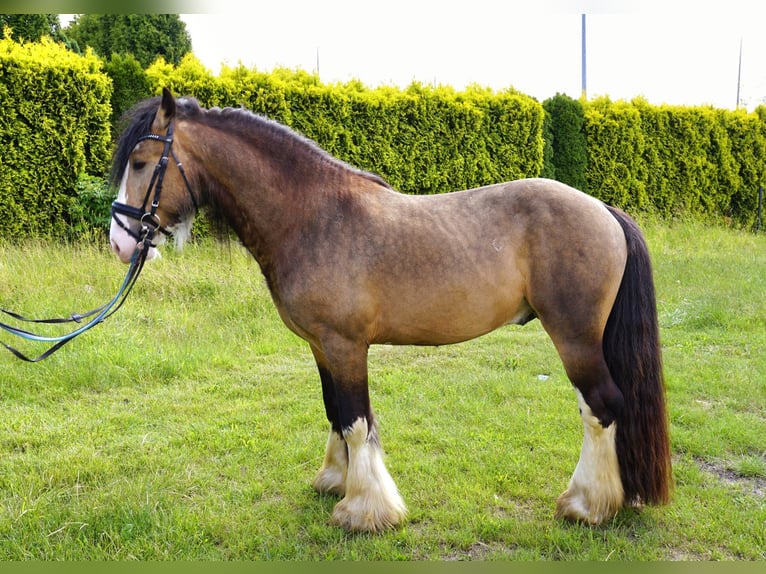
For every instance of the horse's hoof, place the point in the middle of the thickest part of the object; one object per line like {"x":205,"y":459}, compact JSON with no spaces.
{"x":357,"y":515}
{"x":574,"y":506}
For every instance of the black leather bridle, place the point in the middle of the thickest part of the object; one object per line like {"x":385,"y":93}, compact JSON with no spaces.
{"x":149,"y":220}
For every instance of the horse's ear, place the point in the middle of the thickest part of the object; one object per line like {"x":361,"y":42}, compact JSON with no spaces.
{"x":166,"y":112}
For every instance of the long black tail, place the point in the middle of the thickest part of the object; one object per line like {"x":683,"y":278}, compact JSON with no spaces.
{"x":633,"y":354}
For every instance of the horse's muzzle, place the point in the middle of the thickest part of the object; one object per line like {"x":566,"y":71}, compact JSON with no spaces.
{"x":123,"y":245}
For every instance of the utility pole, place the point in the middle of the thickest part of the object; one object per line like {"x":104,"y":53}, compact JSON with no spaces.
{"x":584,"y":92}
{"x":739,"y":72}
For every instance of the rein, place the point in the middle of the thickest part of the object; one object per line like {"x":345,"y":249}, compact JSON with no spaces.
{"x":101,"y":313}
{"x":149,"y":225}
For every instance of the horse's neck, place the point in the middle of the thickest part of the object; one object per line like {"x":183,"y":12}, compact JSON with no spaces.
{"x":263,"y":195}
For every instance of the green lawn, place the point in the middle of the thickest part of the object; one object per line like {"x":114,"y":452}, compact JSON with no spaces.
{"x":190,"y":424}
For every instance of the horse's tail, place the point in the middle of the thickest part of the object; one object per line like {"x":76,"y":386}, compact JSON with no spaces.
{"x":633,"y":354}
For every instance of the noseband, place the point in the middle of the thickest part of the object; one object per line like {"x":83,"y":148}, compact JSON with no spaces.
{"x":150,"y":224}
{"x":148,"y":219}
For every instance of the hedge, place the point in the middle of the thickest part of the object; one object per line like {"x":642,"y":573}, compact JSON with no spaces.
{"x":54,"y":127}
{"x":422,"y":139}
{"x":55,"y":111}
{"x":668,"y":160}
{"x":674,"y":160}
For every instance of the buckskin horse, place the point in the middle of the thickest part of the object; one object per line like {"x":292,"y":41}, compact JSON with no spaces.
{"x":350,"y":262}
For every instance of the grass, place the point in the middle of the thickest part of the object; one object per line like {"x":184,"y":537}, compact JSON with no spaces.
{"x":190,"y":424}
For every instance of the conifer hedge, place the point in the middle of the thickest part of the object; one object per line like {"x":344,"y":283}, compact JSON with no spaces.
{"x":669,"y":160}
{"x":54,"y":127}
{"x":55,"y":137}
{"x":422,"y":139}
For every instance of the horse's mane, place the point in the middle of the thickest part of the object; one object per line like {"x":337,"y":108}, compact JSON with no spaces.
{"x":138,"y":121}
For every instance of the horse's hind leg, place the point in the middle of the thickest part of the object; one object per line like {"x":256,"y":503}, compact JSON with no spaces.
{"x":595,"y":491}
{"x":372,"y":501}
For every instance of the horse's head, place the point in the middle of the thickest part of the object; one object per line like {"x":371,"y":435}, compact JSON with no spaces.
{"x":155,"y":197}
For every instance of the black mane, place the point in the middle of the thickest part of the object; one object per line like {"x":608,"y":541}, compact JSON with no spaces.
{"x":138,"y":121}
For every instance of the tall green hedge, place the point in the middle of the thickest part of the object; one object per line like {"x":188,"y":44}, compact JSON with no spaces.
{"x":54,"y":127}
{"x":55,"y":135}
{"x":422,"y":139}
{"x":616,"y":143}
{"x":674,"y":160}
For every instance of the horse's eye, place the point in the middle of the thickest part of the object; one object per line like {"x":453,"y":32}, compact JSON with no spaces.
{"x":139,"y":165}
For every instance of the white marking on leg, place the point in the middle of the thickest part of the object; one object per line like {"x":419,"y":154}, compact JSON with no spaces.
{"x":372,"y":501}
{"x":595,"y":491}
{"x":331,"y":478}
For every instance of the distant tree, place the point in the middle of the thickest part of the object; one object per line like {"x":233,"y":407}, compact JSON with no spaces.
{"x":130,"y":83}
{"x":144,"y":36}
{"x":569,"y":146}
{"x":29,"y":27}
{"x":32,"y":27}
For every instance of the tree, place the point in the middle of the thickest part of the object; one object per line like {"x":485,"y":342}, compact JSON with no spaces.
{"x":130,"y":84}
{"x":144,"y":36}
{"x":29,"y":27}
{"x":32,"y":27}
{"x":569,"y":145}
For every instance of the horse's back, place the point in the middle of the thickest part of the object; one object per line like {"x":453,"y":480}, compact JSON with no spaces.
{"x":457,"y":265}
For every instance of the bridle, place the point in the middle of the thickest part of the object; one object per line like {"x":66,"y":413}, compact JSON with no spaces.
{"x":149,"y":225}
{"x":148,"y":218}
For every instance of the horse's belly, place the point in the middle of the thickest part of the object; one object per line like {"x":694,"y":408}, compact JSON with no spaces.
{"x":442,"y":321}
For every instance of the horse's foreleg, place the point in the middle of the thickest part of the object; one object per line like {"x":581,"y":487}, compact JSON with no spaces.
{"x":595,"y":491}
{"x":372,"y":501}
{"x":331,"y":478}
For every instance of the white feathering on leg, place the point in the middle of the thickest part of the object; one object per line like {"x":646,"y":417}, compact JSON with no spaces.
{"x":595,"y":491}
{"x":372,"y":501}
{"x":331,"y":478}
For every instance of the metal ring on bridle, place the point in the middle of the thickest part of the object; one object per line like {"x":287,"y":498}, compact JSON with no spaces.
{"x":146,"y":224}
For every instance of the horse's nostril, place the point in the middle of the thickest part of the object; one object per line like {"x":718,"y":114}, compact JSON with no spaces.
{"x":115,"y":247}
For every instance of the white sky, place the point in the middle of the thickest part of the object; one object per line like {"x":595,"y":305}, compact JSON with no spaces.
{"x":673,"y":51}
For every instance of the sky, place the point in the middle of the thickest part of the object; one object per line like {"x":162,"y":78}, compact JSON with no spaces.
{"x":681,"y":52}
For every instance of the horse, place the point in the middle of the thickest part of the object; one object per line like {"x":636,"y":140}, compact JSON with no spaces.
{"x":350,"y":262}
